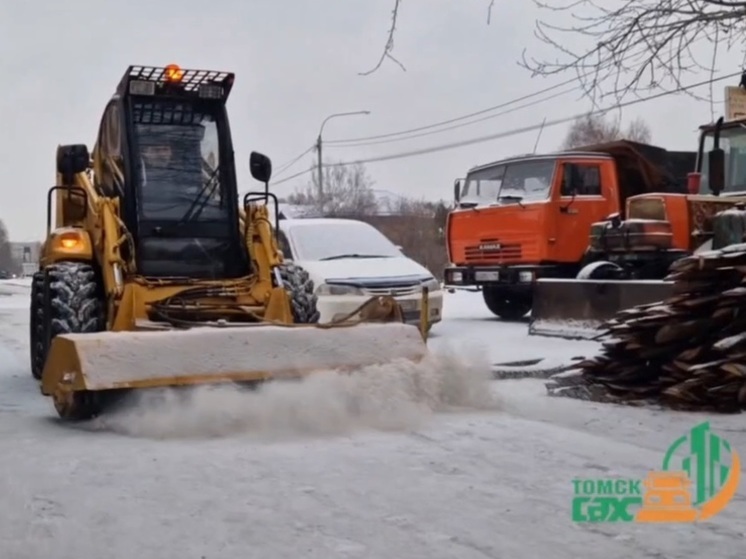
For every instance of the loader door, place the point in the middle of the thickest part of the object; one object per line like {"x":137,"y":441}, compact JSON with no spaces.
{"x":584,"y":198}
{"x":184,"y":183}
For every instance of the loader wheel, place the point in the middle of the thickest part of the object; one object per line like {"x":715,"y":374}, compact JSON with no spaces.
{"x":73,"y":303}
{"x":505,"y":306}
{"x":300,"y":287}
{"x":36,"y":325}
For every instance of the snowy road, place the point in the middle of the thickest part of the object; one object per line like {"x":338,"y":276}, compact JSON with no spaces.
{"x":490,"y":484}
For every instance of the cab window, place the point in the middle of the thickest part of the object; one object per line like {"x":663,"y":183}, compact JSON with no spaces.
{"x":585,"y":177}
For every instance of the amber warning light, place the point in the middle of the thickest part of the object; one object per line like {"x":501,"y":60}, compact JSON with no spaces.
{"x":174,"y":73}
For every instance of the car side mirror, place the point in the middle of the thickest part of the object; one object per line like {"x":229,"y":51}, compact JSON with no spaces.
{"x":716,"y":170}
{"x":261,"y":166}
{"x":457,"y":190}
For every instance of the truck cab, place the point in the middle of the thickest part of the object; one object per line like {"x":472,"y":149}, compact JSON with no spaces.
{"x":529,"y":217}
{"x":721,"y":164}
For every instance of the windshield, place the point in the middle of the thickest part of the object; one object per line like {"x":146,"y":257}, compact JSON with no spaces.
{"x":178,"y":163}
{"x":733,"y":142}
{"x":523,"y":181}
{"x":355,"y":239}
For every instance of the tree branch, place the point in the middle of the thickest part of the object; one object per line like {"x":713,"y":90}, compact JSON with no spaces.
{"x":614,"y":64}
{"x":389,"y":43}
{"x":389,"y":46}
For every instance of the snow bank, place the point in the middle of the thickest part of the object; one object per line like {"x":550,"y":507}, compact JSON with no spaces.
{"x":14,"y":294}
{"x":21,"y":287}
{"x":400,"y":395}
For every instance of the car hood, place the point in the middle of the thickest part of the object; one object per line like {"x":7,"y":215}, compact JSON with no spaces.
{"x":366,"y":269}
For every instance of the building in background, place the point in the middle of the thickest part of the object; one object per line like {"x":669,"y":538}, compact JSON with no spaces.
{"x":26,"y":255}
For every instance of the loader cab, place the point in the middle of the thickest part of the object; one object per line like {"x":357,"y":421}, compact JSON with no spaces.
{"x":165,"y":150}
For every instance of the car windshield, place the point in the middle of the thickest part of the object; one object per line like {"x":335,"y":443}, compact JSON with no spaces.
{"x":330,"y":241}
{"x":179,"y":164}
{"x":733,"y":143}
{"x":522,"y":181}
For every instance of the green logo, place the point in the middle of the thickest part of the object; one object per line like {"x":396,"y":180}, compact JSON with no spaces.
{"x":699,"y":477}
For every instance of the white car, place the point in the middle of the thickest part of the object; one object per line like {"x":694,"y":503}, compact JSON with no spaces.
{"x":351,"y":261}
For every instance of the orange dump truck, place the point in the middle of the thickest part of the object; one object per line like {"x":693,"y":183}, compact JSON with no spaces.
{"x":520,"y":220}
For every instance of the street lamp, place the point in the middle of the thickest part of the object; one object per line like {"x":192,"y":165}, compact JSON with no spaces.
{"x":318,"y":144}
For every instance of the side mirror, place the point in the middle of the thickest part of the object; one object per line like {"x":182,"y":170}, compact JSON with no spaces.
{"x":716,"y":170}
{"x":457,"y":190}
{"x":261,"y":166}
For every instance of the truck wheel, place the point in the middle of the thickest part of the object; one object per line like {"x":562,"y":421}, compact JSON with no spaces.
{"x":36,"y":325}
{"x":600,"y":270}
{"x":72,"y":303}
{"x":300,"y":288}
{"x":505,"y":306}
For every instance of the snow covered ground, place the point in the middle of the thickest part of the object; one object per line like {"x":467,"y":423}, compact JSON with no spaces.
{"x":468,"y":483}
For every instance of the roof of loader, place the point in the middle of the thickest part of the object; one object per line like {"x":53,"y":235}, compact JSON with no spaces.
{"x":174,"y":81}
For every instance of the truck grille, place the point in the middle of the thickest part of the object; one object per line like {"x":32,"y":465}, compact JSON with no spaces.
{"x":506,"y":253}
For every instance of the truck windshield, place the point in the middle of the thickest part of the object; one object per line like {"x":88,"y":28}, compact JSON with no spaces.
{"x":733,"y":142}
{"x":523,"y":181}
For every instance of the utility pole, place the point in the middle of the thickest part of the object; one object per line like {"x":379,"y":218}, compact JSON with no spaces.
{"x":318,"y":148}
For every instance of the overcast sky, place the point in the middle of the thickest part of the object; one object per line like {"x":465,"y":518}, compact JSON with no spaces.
{"x":296,"y":62}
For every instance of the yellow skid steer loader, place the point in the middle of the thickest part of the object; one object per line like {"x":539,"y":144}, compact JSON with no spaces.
{"x":154,"y":274}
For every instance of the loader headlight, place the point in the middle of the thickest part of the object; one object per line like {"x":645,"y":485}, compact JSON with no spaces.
{"x":337,"y":289}
{"x":432,"y":285}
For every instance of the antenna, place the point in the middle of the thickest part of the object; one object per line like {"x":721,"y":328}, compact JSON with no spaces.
{"x":538,"y":137}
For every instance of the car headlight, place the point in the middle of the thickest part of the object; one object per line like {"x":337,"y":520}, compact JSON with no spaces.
{"x":432,"y":285}
{"x":336,"y":289}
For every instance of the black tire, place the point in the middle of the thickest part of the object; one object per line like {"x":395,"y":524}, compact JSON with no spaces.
{"x":36,"y":325}
{"x":73,"y":303}
{"x":504,"y":305}
{"x":303,"y":300}
{"x":600,"y":270}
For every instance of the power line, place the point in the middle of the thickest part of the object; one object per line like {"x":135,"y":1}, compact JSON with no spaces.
{"x":455,"y":126}
{"x":297,"y":175}
{"x":499,"y":106}
{"x":286,"y":166}
{"x":516,"y":131}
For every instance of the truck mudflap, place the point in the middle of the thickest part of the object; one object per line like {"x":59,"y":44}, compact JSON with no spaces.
{"x":575,"y":309}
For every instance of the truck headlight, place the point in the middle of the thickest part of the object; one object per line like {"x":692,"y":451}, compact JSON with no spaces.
{"x":454,"y":277}
{"x":525,"y":276}
{"x":337,"y":289}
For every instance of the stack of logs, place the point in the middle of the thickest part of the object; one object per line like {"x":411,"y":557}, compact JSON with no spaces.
{"x":687,"y":352}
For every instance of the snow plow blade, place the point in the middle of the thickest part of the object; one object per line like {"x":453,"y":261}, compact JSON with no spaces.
{"x":82,"y":364}
{"x":575,"y":309}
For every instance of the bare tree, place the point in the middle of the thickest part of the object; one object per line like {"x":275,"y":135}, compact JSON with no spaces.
{"x":416,"y":226}
{"x":347,"y":190}
{"x":637,"y":45}
{"x":631,"y":46}
{"x":594,"y":128}
{"x":6,"y":254}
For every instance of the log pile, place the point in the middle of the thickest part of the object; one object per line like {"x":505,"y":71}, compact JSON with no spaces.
{"x":687,"y":352}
